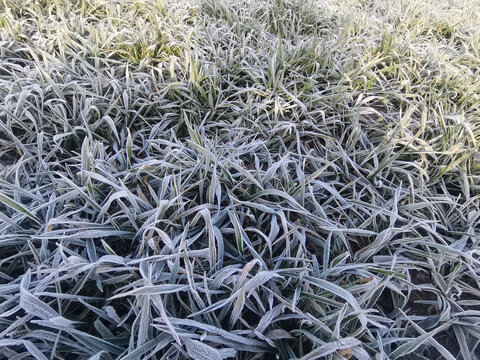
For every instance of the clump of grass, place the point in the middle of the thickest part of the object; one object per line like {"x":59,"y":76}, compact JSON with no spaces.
{"x":140,"y":50}
{"x":183,"y":180}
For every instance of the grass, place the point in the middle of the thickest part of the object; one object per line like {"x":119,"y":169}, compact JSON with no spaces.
{"x":213,"y":179}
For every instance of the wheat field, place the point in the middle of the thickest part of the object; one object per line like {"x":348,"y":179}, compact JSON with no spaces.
{"x":240,"y":179}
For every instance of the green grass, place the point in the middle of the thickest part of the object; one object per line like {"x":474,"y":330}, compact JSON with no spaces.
{"x":213,"y":179}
